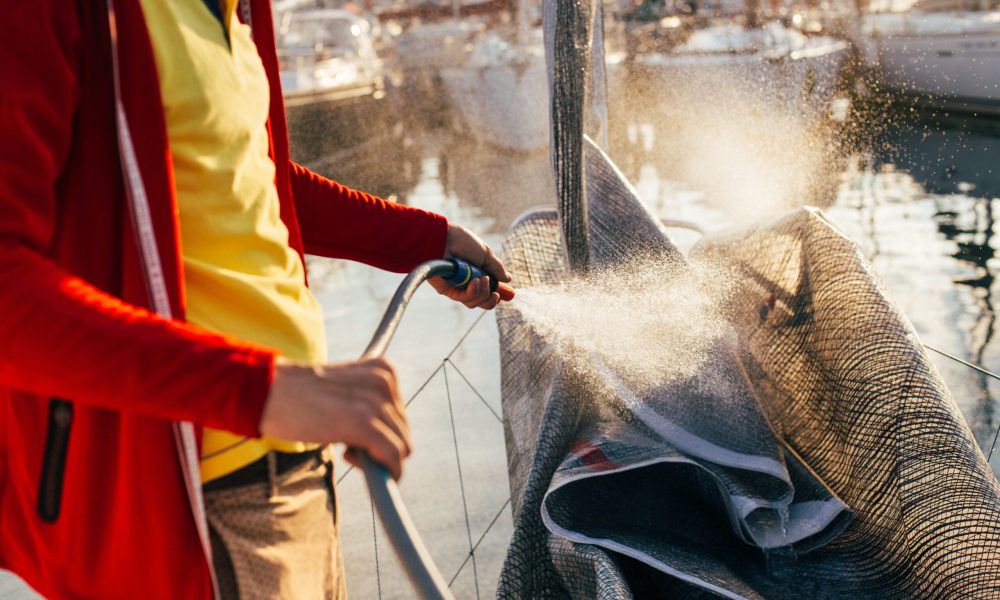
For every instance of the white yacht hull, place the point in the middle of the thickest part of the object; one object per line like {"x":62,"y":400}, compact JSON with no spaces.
{"x":952,"y":65}
{"x":801,"y":82}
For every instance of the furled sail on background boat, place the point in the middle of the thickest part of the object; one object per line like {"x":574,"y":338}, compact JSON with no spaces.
{"x":815,"y":452}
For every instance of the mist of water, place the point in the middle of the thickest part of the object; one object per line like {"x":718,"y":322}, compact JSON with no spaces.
{"x":649,"y":322}
{"x":752,"y":152}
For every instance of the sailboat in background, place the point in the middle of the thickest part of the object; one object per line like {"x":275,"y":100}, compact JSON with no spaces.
{"x":943,"y":53}
{"x":331,"y":77}
{"x":687,"y":55}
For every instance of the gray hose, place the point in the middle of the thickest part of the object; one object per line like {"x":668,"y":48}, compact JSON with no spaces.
{"x":417,"y":562}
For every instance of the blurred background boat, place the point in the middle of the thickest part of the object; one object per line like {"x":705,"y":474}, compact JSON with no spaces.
{"x":940,"y":53}
{"x":428,"y":37}
{"x":682,"y":52}
{"x":434,"y":46}
{"x":433,"y":36}
{"x":331,"y":76}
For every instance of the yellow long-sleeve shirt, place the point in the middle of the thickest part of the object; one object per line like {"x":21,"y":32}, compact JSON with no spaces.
{"x":241,"y":276}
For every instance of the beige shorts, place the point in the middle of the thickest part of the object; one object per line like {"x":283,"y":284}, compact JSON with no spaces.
{"x":275,"y":529}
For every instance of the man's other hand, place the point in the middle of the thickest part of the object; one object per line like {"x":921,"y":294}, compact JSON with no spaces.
{"x":355,"y":403}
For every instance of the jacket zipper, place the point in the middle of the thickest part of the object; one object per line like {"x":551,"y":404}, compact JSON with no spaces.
{"x":139,"y":209}
{"x":54,"y":462}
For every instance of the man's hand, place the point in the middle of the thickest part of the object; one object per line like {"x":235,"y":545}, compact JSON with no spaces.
{"x":466,"y":245}
{"x":356,"y":403}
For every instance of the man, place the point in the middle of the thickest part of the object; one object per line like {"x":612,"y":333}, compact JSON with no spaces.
{"x":153,"y":309}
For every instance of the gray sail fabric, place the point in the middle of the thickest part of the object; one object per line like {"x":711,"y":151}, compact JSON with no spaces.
{"x":816,"y":454}
{"x":595,"y":462}
{"x":820,"y":411}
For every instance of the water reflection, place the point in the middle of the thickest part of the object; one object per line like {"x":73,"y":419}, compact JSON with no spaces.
{"x":975,"y":249}
{"x":921,"y":203}
{"x":947,"y":154}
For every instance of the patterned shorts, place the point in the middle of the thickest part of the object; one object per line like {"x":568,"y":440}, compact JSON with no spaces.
{"x":274,"y":529}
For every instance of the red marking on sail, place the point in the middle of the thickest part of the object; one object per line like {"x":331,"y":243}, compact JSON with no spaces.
{"x":592,"y":456}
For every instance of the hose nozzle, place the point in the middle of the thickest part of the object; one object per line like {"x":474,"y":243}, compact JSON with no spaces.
{"x":465,"y":273}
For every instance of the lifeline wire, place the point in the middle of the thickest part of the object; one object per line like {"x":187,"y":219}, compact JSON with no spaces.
{"x":984,"y":372}
{"x":966,"y":363}
{"x":479,"y":541}
{"x":461,"y":481}
{"x":474,"y":390}
{"x":472,"y":547}
{"x":430,"y":377}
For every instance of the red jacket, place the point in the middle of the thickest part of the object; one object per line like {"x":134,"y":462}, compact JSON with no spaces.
{"x":75,"y":304}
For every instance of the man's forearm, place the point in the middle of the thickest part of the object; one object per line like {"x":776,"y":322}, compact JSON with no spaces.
{"x":62,"y":337}
{"x":339,"y":222}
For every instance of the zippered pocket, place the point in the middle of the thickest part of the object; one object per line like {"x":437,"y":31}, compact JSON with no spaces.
{"x":54,"y":462}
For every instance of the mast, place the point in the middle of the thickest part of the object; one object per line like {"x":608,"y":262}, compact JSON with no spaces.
{"x":568,"y":40}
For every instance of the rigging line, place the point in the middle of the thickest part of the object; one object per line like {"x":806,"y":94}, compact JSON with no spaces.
{"x":474,"y":390}
{"x":964,"y":362}
{"x":461,"y":481}
{"x":461,"y":340}
{"x":994,"y":445}
{"x":424,"y":384}
{"x":346,"y":473}
{"x":408,"y":403}
{"x":496,"y":517}
{"x":984,"y":372}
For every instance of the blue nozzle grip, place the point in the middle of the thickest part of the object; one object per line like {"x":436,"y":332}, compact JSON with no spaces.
{"x":465,"y":273}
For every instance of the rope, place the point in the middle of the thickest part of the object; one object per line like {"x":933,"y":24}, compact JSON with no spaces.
{"x":479,"y":541}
